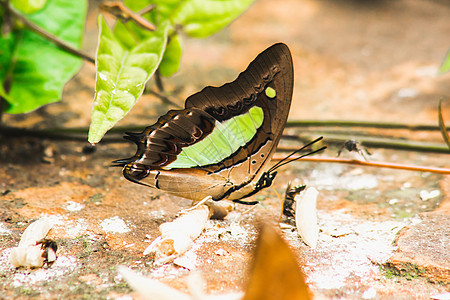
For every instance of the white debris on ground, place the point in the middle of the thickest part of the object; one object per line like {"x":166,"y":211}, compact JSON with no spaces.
{"x":73,"y":206}
{"x":4,"y":230}
{"x":74,"y":230}
{"x":66,"y":227}
{"x":114,"y":225}
{"x":425,"y":195}
{"x":228,"y":230}
{"x":63,"y":265}
{"x":337,"y":176}
{"x":347,"y":247}
{"x":29,"y":253}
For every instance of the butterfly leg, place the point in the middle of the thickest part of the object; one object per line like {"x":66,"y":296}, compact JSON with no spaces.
{"x":206,"y":199}
{"x":245,"y":202}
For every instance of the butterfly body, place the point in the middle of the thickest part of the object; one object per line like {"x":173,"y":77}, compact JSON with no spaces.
{"x":221,"y":143}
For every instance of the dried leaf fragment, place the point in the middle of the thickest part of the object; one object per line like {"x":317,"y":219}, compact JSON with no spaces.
{"x":274,"y":273}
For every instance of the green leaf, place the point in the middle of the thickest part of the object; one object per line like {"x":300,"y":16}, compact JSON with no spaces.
{"x":37,"y":69}
{"x":29,"y":6}
{"x":202,"y":18}
{"x":7,"y":45}
{"x":172,"y":57}
{"x":121,"y":75}
{"x":162,"y":11}
{"x":446,"y":64}
{"x":199,"y":18}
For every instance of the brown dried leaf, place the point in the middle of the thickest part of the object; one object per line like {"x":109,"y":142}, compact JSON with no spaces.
{"x":275,"y":273}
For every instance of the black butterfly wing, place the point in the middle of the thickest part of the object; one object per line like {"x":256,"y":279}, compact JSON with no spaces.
{"x":266,"y":83}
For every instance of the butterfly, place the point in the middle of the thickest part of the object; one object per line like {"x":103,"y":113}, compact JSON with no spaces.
{"x":220,"y":144}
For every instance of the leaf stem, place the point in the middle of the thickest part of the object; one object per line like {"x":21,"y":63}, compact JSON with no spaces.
{"x":2,"y":105}
{"x":61,"y":44}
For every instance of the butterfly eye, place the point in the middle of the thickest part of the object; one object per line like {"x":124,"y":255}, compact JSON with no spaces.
{"x":135,"y":172}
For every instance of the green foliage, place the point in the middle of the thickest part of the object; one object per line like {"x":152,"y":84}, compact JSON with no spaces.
{"x":33,"y":69}
{"x":129,"y":55}
{"x":446,"y":64}
{"x":202,"y":18}
{"x":122,"y":71}
{"x":172,"y":57}
{"x":29,"y":6}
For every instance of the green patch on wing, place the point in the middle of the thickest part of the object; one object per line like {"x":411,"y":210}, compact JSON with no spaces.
{"x":270,"y":92}
{"x":225,"y":140}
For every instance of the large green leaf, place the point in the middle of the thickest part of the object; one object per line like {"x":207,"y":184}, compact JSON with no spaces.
{"x":202,"y":18}
{"x":121,"y":75}
{"x":37,"y":69}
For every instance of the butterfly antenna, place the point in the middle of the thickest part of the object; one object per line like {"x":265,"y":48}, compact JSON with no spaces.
{"x":284,"y":160}
{"x":297,"y":158}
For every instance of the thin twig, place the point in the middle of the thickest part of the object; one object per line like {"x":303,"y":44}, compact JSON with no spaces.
{"x":61,"y":44}
{"x":365,"y":124}
{"x":444,"y":130}
{"x":158,"y":81}
{"x":2,"y":105}
{"x":375,"y":142}
{"x":81,"y":133}
{"x":371,"y":164}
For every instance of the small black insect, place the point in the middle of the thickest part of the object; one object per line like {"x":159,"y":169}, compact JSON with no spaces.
{"x":354,"y":146}
{"x":50,"y":247}
{"x":289,"y":200}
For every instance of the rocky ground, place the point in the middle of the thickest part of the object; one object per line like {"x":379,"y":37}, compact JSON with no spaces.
{"x":384,"y":233}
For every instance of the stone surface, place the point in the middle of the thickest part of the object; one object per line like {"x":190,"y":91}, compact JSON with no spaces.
{"x":424,"y":249}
